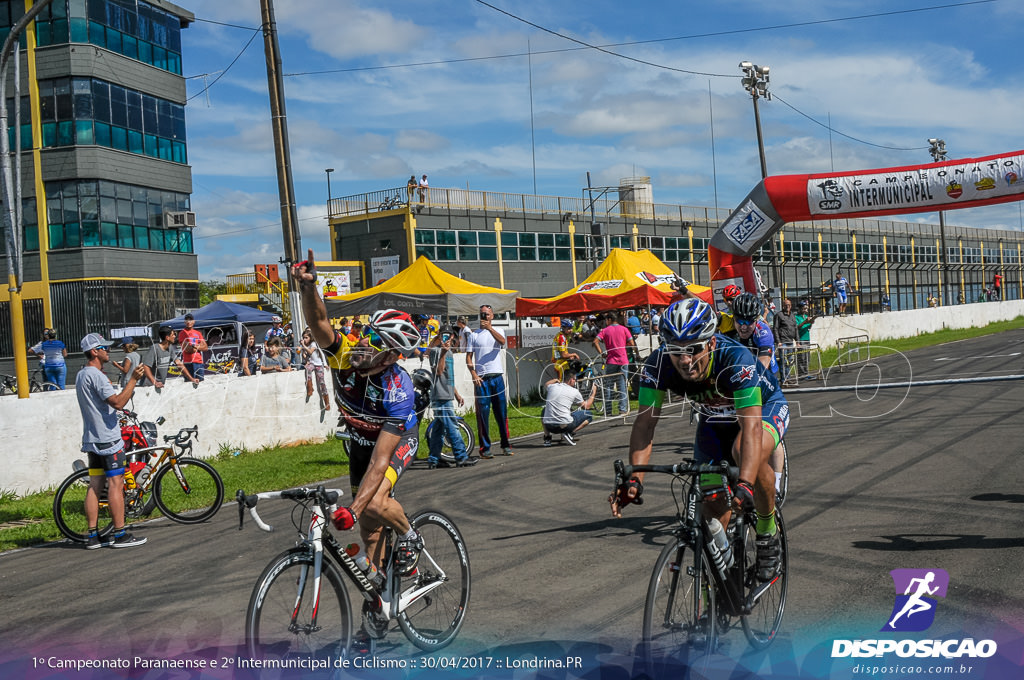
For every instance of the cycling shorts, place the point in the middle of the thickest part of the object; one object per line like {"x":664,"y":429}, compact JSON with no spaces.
{"x":560,"y":366}
{"x":714,"y":440}
{"x":108,"y":465}
{"x":360,"y":452}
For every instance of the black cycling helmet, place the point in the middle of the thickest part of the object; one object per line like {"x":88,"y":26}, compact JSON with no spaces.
{"x":422,"y":379}
{"x":686,"y":322}
{"x":747,"y":306}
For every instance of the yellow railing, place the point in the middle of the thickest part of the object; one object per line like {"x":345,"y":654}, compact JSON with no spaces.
{"x":495,"y":201}
{"x":273,"y":293}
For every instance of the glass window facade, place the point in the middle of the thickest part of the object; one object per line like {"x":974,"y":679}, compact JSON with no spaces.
{"x":132,"y":28}
{"x":88,"y":111}
{"x":91,"y":213}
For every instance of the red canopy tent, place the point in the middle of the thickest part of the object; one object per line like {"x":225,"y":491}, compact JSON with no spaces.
{"x":625,"y":279}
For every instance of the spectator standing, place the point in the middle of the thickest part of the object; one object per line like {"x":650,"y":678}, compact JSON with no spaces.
{"x":353,"y":334}
{"x":443,"y":397}
{"x":562,"y":396}
{"x":53,"y":353}
{"x":276,"y":330}
{"x":841,"y":290}
{"x":484,"y":360}
{"x":655,"y":320}
{"x":616,"y":339}
{"x":159,"y":358}
{"x":997,"y":286}
{"x":98,"y":402}
{"x":633,"y":323}
{"x":887,"y":304}
{"x":424,"y":188}
{"x":192,"y":347}
{"x":464,"y":331}
{"x":787,"y":335}
{"x":804,"y":321}
{"x":131,"y":361}
{"x":410,"y":187}
{"x":248,"y":354}
{"x":961,"y":298}
{"x":313,"y":362}
{"x":274,"y":360}
{"x":932,"y":300}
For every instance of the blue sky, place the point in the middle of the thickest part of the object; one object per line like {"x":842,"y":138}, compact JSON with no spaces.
{"x":890,"y":81}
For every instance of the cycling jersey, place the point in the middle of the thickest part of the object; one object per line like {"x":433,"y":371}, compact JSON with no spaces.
{"x":761,"y":343}
{"x":385,"y":401}
{"x":559,"y":345}
{"x":726,"y":322}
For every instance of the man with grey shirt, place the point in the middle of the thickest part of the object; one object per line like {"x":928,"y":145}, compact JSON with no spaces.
{"x":160,"y":357}
{"x":101,"y":441}
{"x":443,"y":396}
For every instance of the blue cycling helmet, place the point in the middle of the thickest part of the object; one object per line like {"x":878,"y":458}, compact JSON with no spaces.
{"x":566,"y":322}
{"x":688,"y":321}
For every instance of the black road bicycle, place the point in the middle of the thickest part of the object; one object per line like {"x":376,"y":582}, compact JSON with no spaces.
{"x":691,"y":602}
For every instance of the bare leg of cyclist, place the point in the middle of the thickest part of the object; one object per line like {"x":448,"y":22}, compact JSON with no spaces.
{"x":382,"y":510}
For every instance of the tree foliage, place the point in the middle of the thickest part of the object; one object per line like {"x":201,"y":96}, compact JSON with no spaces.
{"x":209,"y":290}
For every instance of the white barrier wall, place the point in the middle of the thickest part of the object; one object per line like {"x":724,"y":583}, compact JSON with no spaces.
{"x":42,"y":434}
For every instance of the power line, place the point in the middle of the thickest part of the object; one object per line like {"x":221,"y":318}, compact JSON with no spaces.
{"x":255,"y":33}
{"x":221,"y":23}
{"x":843,"y":134}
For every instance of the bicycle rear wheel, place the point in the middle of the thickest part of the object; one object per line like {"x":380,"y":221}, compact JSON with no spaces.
{"x":434,"y":619}
{"x":69,"y":508}
{"x":680,"y":614}
{"x":783,"y":485}
{"x":189,"y":491}
{"x":279,"y":621}
{"x":584,"y":384}
{"x":468,"y":439}
{"x":762,"y":623}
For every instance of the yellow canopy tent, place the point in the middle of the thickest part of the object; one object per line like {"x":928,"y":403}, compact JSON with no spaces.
{"x":625,"y":279}
{"x":424,"y":288}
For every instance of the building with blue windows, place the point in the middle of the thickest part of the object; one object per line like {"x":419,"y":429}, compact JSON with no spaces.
{"x":109,"y":242}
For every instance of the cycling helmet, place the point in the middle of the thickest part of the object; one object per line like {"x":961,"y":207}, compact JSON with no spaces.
{"x":747,"y":306}
{"x":422,"y":380}
{"x":396,"y":329}
{"x":566,"y":323}
{"x":688,"y":321}
{"x":730,"y":292}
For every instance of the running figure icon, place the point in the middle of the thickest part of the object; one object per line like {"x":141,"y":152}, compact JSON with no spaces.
{"x":917,"y":591}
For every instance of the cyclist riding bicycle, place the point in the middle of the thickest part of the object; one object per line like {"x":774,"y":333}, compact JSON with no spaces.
{"x":377,"y":402}
{"x":560,"y":354}
{"x":743,"y":416}
{"x":752,"y":331}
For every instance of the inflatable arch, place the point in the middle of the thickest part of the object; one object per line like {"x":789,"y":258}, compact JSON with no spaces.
{"x":949,"y":185}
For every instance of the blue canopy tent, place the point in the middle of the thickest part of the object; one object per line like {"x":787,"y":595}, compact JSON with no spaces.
{"x":222,"y":312}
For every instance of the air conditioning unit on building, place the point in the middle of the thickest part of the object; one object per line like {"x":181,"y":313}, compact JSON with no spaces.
{"x":179,"y":219}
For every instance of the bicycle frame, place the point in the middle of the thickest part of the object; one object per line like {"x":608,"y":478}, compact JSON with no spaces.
{"x":319,"y":540}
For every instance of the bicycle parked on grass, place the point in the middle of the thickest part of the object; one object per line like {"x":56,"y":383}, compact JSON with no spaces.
{"x":692,"y":599}
{"x":300,"y":606}
{"x":185,"y":489}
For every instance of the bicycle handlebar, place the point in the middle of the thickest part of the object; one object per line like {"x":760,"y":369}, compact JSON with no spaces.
{"x":184,"y":434}
{"x":324,"y":497}
{"x":688,"y":467}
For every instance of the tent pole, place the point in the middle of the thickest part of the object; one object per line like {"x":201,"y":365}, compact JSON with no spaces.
{"x":519,"y":337}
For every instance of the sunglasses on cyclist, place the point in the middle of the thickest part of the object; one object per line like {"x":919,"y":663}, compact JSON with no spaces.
{"x":376,"y":341}
{"x":688,"y":350}
{"x":744,"y":322}
{"x":445,"y":337}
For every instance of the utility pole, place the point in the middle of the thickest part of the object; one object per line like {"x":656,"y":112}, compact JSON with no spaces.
{"x":282,"y":154}
{"x":937,"y":148}
{"x":755,"y":81}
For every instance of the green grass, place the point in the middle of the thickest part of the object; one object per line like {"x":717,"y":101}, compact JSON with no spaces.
{"x":283,"y":467}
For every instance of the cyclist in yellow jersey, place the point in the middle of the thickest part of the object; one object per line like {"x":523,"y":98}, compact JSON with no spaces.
{"x":560,"y":354}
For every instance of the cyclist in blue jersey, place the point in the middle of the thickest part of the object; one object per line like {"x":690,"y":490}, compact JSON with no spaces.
{"x":377,"y":402}
{"x":751,"y":331}
{"x":742,"y":417}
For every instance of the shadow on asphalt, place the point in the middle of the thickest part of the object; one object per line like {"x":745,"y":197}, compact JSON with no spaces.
{"x":915,"y":542}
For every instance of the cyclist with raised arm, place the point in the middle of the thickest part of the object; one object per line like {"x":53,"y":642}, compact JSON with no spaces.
{"x":377,"y":402}
{"x":743,"y":416}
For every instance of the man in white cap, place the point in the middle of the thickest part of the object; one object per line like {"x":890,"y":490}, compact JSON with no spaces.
{"x":101,"y":440}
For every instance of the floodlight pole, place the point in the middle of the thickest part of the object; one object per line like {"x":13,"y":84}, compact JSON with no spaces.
{"x":937,"y":148}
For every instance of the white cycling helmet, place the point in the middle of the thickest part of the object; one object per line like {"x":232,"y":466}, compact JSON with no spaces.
{"x":396,"y":329}
{"x":688,"y":321}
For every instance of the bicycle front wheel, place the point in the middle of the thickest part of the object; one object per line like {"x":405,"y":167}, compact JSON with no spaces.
{"x":762,"y":623}
{"x":680,"y":614}
{"x":433,"y":619}
{"x":468,"y":439}
{"x":289,"y":618}
{"x":783,"y":485}
{"x":584,"y":385}
{"x":188,"y":491}
{"x":69,"y":508}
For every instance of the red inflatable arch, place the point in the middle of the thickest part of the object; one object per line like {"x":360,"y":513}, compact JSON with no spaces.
{"x":948,"y":185}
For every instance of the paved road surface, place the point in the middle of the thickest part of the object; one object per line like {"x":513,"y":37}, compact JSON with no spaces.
{"x":921,"y":478}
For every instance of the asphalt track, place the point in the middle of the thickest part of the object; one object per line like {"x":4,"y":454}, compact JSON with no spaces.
{"x":920,"y":478}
